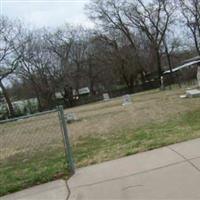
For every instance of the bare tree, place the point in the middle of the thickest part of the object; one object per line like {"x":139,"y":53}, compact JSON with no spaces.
{"x":78,"y":55}
{"x":8,"y":62}
{"x":118,"y":55}
{"x":109,"y":14}
{"x":60,"y":44}
{"x":98,"y":69}
{"x":190,"y":10}
{"x":37,"y":66}
{"x":153,"y":19}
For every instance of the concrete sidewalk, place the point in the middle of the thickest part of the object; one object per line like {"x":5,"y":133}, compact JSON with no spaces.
{"x":171,"y":172}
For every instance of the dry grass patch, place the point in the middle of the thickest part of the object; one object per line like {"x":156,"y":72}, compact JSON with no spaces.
{"x":32,"y":149}
{"x":153,"y":106}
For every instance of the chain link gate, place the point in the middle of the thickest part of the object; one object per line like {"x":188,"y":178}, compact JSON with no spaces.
{"x":34,"y":149}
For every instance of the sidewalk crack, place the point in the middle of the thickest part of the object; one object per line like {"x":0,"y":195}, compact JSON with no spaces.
{"x":129,"y":175}
{"x":186,"y":159}
{"x":68,"y":189}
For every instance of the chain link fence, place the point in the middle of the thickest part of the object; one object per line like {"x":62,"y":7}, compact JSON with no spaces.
{"x":32,"y":150}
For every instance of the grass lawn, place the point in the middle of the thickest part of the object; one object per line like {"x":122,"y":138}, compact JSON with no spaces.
{"x":95,"y":149}
{"x":154,"y":119}
{"x":39,"y":168}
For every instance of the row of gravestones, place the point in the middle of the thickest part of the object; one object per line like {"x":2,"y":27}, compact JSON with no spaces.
{"x":198,"y":79}
{"x":71,"y":117}
{"x":126,"y":99}
{"x":190,"y":93}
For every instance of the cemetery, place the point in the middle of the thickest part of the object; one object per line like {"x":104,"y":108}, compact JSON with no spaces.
{"x":109,"y":128}
{"x":195,"y":92}
{"x":97,"y":81}
{"x":104,"y":130}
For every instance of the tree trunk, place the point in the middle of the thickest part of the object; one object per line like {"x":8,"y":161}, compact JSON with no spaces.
{"x":169,"y":63}
{"x":158,"y":65}
{"x":92,"y":87}
{"x":7,"y":98}
{"x":196,"y":43}
{"x":37,"y":96}
{"x":131,"y":80}
{"x":142,"y":79}
{"x":91,"y":78}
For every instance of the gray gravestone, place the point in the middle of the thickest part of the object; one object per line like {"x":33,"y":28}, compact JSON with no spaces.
{"x":106,"y":97}
{"x":70,"y":117}
{"x":198,"y":76}
{"x":126,"y":100}
{"x":193,"y":93}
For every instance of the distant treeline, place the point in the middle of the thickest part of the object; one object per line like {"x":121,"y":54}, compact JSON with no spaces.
{"x":132,"y":44}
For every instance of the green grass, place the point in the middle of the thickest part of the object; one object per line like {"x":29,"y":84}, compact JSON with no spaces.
{"x":20,"y":172}
{"x":17,"y":174}
{"x":90,"y":150}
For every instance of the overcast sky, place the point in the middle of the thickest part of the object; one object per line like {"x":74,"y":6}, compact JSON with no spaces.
{"x":49,"y":13}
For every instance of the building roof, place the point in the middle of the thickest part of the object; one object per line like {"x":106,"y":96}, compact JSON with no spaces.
{"x":191,"y":59}
{"x":188,"y":64}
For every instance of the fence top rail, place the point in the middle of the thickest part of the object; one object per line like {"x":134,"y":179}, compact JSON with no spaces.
{"x":28,"y":116}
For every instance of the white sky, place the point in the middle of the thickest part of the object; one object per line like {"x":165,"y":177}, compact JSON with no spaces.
{"x":48,"y":13}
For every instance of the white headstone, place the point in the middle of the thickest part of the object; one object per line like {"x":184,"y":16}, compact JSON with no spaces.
{"x":193,"y":93}
{"x":106,"y":97}
{"x":126,"y":100}
{"x":70,"y":117}
{"x":198,"y":76}
{"x":162,"y":83}
{"x":183,"y":96}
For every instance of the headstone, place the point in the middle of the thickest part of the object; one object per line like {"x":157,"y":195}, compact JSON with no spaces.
{"x":198,"y":76}
{"x":70,"y":117}
{"x":193,"y":93}
{"x":162,"y":83}
{"x":183,"y":96}
{"x":83,"y":91}
{"x":106,"y":97}
{"x":126,"y":100}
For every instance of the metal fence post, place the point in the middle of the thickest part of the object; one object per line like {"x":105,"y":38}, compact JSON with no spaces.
{"x":66,"y":140}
